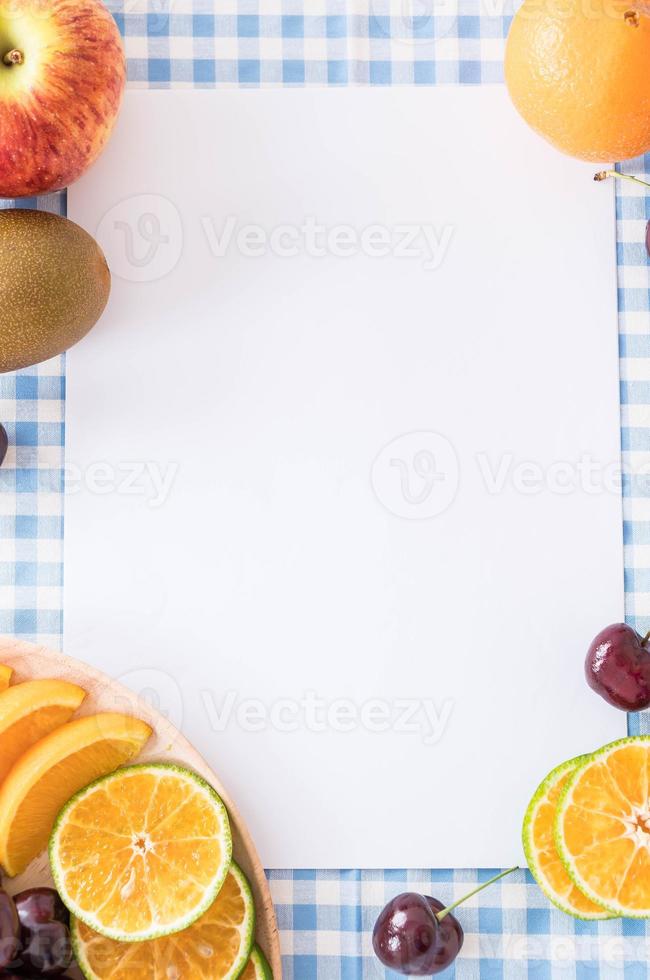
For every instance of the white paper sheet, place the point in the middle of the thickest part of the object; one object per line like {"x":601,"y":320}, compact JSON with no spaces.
{"x":342,"y":458}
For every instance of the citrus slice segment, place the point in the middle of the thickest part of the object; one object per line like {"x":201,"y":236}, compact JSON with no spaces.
{"x":257,"y":967}
{"x":538,"y":837}
{"x":142,"y":853}
{"x":5,"y":677}
{"x":31,"y":710}
{"x":51,"y":771}
{"x":215,"y":947}
{"x":602,"y":828}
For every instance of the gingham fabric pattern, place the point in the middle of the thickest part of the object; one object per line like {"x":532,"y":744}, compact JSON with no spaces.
{"x":326,"y":918}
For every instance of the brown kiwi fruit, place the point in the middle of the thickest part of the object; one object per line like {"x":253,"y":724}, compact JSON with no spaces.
{"x":54,"y":286}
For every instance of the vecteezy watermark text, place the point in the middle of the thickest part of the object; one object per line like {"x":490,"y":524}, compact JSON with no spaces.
{"x":317,"y":240}
{"x":144,"y":238}
{"x":417,"y":475}
{"x":425,"y":719}
{"x":152,"y":481}
{"x":420,"y":717}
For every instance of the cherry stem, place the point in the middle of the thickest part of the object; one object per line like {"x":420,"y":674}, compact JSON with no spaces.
{"x":13,"y":57}
{"x":440,"y":915}
{"x":604,"y":174}
{"x":646,"y":637}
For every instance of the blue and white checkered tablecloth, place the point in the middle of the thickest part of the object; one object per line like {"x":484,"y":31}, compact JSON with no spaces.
{"x":326,"y":918}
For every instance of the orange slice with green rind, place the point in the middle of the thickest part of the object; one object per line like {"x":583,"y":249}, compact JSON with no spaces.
{"x":29,"y":712}
{"x":51,"y":771}
{"x":216,"y":947}
{"x":544,"y":862}
{"x":602,"y":828}
{"x":142,"y":853}
{"x":257,"y":967}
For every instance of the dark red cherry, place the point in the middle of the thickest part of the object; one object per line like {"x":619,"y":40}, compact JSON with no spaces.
{"x":9,"y":931}
{"x":417,"y":935}
{"x":451,"y":929}
{"x":618,"y":667}
{"x":47,"y":950}
{"x":409,"y":938}
{"x":4,"y":444}
{"x":38,"y":905}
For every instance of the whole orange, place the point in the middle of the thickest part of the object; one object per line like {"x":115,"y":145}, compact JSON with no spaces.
{"x":578,"y":71}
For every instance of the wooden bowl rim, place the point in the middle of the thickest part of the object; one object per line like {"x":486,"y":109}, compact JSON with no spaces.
{"x":18,"y":655}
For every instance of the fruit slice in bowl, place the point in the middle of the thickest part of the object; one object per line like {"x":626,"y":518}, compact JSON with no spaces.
{"x":29,"y":712}
{"x":105,"y":694}
{"x":257,"y":967}
{"x":542,"y":854}
{"x":143,"y":852}
{"x":602,"y":828}
{"x":217,"y":945}
{"x":51,"y":771}
{"x":5,"y":677}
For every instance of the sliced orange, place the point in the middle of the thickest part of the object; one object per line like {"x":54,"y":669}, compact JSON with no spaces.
{"x":541,"y":853}
{"x":142,"y":853}
{"x":257,"y":967}
{"x":216,"y":947}
{"x":30,"y":711}
{"x":602,"y":827}
{"x":51,"y":771}
{"x":5,"y":677}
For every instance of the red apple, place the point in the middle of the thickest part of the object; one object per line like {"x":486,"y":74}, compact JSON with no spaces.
{"x":62,"y":74}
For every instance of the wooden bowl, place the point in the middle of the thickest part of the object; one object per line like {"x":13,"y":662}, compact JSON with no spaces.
{"x":30,"y":661}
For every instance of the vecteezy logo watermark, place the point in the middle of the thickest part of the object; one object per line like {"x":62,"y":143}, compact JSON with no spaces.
{"x":157,"y":12}
{"x":311,"y":713}
{"x":560,"y":477}
{"x":142,"y":237}
{"x":151,"y":481}
{"x":414,"y":22}
{"x":416,"y":476}
{"x":537,"y":952}
{"x":156,"y":688}
{"x":425,"y":243}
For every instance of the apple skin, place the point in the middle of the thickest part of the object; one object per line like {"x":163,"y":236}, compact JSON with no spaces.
{"x":62,"y":76}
